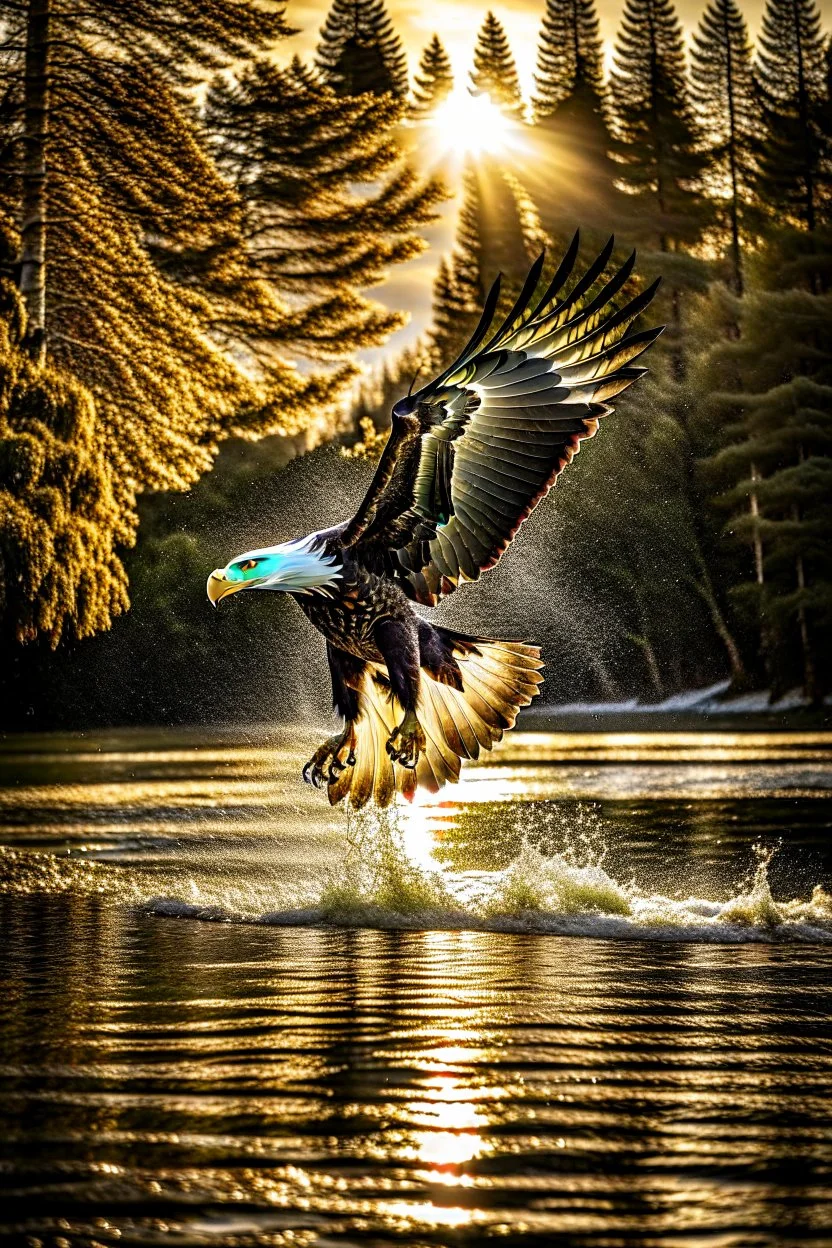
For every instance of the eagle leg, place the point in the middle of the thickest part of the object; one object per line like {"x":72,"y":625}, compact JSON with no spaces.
{"x":339,"y":751}
{"x":398,"y":641}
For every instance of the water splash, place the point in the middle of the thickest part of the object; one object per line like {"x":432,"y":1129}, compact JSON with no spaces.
{"x":379,"y":884}
{"x":557,"y":883}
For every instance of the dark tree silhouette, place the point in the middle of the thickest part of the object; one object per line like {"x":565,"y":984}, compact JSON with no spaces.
{"x":572,"y":126}
{"x":723,"y":91}
{"x":434,"y":81}
{"x":771,"y":388}
{"x":658,"y":143}
{"x":569,"y":54}
{"x":771,"y":470}
{"x":660,"y":152}
{"x":791,"y":75}
{"x":359,"y":51}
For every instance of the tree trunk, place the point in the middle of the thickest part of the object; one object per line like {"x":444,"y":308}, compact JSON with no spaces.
{"x":736,"y":249}
{"x":810,"y":682}
{"x":758,"y":542}
{"x":811,"y":688}
{"x":739,"y":676}
{"x":766,"y":647}
{"x":803,"y":110}
{"x":35,"y":135}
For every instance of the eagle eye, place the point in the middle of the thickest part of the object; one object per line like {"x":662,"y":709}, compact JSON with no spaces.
{"x":248,"y":565}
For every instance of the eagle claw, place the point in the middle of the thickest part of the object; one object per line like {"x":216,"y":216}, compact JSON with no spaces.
{"x":338,"y":751}
{"x":405,"y":743}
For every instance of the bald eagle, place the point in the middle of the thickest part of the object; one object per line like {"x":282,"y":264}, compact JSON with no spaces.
{"x":468,"y":457}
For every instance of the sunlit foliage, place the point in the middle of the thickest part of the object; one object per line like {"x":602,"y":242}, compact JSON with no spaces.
{"x":129,"y":250}
{"x":328,"y":204}
{"x":494,"y":70}
{"x":60,"y":520}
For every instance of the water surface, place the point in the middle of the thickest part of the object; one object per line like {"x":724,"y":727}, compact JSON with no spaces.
{"x":581,"y":999}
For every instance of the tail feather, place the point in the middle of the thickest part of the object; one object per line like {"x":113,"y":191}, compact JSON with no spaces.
{"x":498,"y":678}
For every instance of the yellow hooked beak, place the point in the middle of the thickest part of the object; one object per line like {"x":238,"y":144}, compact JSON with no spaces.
{"x":219,"y":586}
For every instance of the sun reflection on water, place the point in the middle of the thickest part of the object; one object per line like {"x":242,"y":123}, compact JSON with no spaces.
{"x":453,"y":1123}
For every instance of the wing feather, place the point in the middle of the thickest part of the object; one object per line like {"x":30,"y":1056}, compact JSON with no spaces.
{"x":472,"y":453}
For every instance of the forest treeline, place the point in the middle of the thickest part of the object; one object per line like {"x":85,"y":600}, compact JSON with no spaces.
{"x":189,"y":228}
{"x":699,"y":525}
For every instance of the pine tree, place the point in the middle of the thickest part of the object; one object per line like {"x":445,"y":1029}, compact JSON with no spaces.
{"x":329,"y":205}
{"x":769,"y":466}
{"x":129,"y":252}
{"x":660,"y":153}
{"x":58,"y":87}
{"x":663,"y":165}
{"x":142,"y":257}
{"x":497,"y":231}
{"x":574,"y":177}
{"x":494,"y":71}
{"x":724,"y":95}
{"x":772,"y":399}
{"x":434,"y":81}
{"x":658,"y":144}
{"x":60,"y":521}
{"x":359,"y":51}
{"x":791,"y":73}
{"x":569,"y":54}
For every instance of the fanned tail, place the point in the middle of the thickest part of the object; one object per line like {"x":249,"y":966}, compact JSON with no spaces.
{"x":498,"y":678}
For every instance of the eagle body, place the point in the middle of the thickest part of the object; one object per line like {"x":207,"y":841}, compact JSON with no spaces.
{"x":468,"y":458}
{"x":350,"y":614}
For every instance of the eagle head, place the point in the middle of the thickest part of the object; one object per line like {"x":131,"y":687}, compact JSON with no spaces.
{"x":299,"y":567}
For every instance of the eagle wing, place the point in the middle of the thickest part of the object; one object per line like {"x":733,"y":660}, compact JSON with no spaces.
{"x":471,"y":453}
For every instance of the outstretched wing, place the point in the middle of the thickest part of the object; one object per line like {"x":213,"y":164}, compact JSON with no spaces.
{"x":470,"y":454}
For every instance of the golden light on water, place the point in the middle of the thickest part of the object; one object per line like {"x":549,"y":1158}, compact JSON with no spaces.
{"x":453,"y":1137}
{"x":472,"y":125}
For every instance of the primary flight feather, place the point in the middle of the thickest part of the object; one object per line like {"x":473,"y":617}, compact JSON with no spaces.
{"x":468,"y":457}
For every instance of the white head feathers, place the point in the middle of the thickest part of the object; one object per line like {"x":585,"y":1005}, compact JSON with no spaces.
{"x":297,"y":567}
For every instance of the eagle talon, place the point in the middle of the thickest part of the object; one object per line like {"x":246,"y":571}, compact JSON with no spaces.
{"x":405,"y":743}
{"x":338,"y":752}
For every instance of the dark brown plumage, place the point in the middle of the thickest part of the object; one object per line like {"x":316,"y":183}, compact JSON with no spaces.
{"x":468,"y":458}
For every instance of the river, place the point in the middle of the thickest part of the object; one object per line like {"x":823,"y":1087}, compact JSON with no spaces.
{"x":582,"y":998}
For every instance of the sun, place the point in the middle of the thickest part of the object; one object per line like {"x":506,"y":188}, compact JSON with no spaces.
{"x":472,"y":125}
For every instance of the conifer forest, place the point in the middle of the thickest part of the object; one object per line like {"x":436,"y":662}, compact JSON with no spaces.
{"x":205,"y":247}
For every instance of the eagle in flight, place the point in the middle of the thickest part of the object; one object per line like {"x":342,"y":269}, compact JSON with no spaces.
{"x":468,"y":457}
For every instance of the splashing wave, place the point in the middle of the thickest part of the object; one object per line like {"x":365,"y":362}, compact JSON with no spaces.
{"x":379,"y":886}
